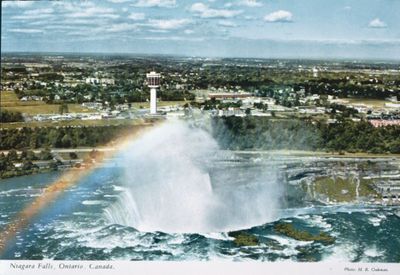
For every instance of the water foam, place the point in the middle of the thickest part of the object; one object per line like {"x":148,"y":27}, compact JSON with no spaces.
{"x":173,"y":184}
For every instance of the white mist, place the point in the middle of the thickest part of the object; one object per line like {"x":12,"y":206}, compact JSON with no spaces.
{"x":168,"y":187}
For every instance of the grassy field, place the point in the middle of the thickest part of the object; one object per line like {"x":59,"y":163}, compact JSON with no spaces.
{"x":98,"y":122}
{"x":46,"y":109}
{"x":7,"y":96}
{"x":343,"y":190}
{"x":375,"y":103}
{"x":9,"y":101}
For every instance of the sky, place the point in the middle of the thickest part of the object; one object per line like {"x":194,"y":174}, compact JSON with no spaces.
{"x":349,"y":29}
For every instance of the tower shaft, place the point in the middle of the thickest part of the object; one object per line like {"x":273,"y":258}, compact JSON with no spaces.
{"x":153,"y":101}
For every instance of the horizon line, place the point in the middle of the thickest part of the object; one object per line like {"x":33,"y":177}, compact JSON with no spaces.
{"x":321,"y":58}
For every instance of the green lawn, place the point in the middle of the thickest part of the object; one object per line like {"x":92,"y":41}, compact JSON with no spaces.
{"x":375,"y":103}
{"x":45,"y":108}
{"x":77,"y":122}
{"x":343,"y":190}
{"x":8,"y":96}
{"x":10,"y":102}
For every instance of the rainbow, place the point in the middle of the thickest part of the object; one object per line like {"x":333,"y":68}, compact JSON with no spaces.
{"x":64,"y":182}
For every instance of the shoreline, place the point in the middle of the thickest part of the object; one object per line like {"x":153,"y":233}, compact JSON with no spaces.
{"x":297,"y":153}
{"x":67,"y":163}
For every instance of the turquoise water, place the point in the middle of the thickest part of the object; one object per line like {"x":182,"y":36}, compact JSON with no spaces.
{"x":76,"y":227}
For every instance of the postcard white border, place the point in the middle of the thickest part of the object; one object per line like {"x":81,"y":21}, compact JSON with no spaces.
{"x":47,"y":267}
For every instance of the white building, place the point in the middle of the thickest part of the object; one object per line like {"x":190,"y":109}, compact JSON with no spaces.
{"x":315,"y":72}
{"x":92,"y":80}
{"x":107,"y":81}
{"x":153,"y":81}
{"x":393,"y":104}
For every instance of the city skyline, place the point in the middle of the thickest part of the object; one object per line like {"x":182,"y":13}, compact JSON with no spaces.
{"x":238,"y":28}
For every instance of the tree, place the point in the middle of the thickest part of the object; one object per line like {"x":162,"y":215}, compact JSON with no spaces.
{"x":30,"y":155}
{"x":23,"y":155}
{"x":394,"y":147}
{"x":63,"y":108}
{"x":28,"y":165}
{"x":9,"y":116}
{"x":53,"y":165}
{"x":3,"y":162}
{"x":73,"y":155}
{"x":12,"y":155}
{"x":66,"y":141}
{"x":45,"y":154}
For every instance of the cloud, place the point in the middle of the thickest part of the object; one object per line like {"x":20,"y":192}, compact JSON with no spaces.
{"x":26,"y":30}
{"x":32,"y":16}
{"x":205,"y":11}
{"x":227,"y":23}
{"x":35,"y":14}
{"x":137,"y":16}
{"x":279,"y":16}
{"x":122,"y":27}
{"x":16,"y":4}
{"x":60,"y":27}
{"x":249,"y":3}
{"x":39,"y":11}
{"x":93,"y":11}
{"x":170,"y":24}
{"x":84,"y":10}
{"x":188,"y":31}
{"x":155,"y":3}
{"x":117,"y":1}
{"x":100,"y":30}
{"x":326,"y":41}
{"x":250,"y":17}
{"x":377,"y":24}
{"x":172,"y":38}
{"x":85,"y":21}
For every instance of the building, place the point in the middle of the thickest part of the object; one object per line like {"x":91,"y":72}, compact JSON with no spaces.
{"x":315,"y":72}
{"x":92,"y":80}
{"x":394,"y":104}
{"x":153,"y":81}
{"x":107,"y":81}
{"x":384,"y":122}
{"x":225,"y":96}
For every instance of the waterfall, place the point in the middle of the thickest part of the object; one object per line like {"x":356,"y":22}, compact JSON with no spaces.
{"x":357,"y":179}
{"x":173,"y":182}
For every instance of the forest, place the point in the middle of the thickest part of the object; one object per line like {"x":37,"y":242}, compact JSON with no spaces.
{"x":10,"y":116}
{"x":260,"y":133}
{"x":59,"y":137}
{"x":234,"y":133}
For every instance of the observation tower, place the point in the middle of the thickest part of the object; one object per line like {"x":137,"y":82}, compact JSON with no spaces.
{"x":153,"y":81}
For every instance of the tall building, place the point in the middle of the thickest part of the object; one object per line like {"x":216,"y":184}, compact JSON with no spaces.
{"x":153,"y":81}
{"x":315,"y":72}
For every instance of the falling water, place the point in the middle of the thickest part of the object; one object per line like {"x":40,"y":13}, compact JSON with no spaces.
{"x":357,"y":179}
{"x":174,"y":181}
